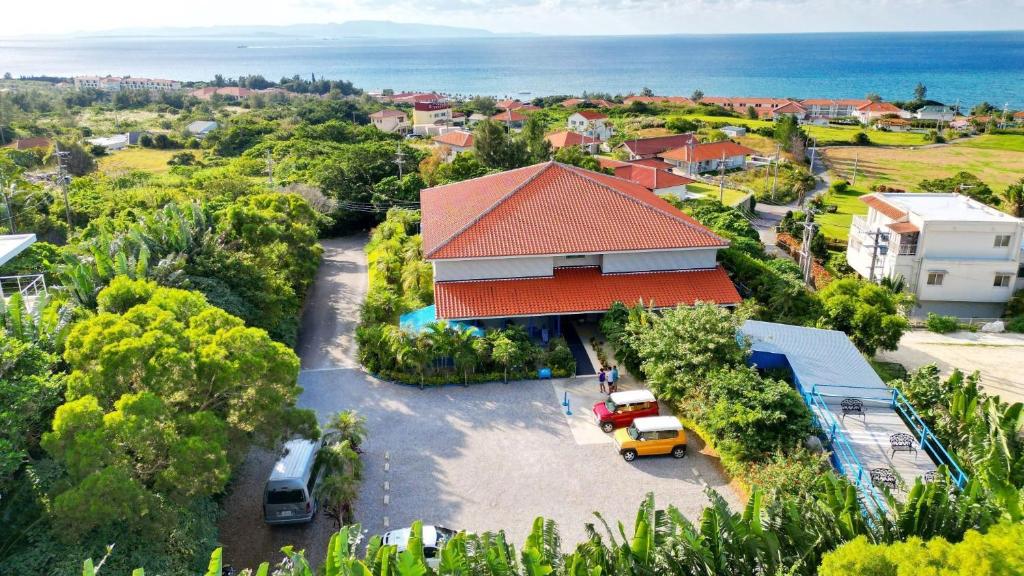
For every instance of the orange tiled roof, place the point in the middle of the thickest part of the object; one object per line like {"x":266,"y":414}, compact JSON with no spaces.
{"x":509,"y":116}
{"x":552,"y":208}
{"x":28,"y":143}
{"x":790,"y":108}
{"x":884,"y":107}
{"x":592,"y":114}
{"x":677,"y":100}
{"x":459,"y":138}
{"x":652,"y":162}
{"x":856,"y":103}
{"x":878,"y":203}
{"x":565,"y":138}
{"x":570,"y":102}
{"x":656,"y":145}
{"x":608,"y":162}
{"x":709,"y":151}
{"x":579,"y":290}
{"x":903,"y":227}
{"x":651,"y":178}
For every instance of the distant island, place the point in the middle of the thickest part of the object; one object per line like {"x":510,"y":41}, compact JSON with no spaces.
{"x":350,"y":29}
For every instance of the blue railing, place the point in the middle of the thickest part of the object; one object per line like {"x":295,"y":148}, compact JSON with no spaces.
{"x":929,"y":443}
{"x":843,"y":456}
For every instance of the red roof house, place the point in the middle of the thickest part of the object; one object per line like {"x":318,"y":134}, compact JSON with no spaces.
{"x":708,"y":157}
{"x":656,"y":180}
{"x":650,"y":147}
{"x":567,"y":138}
{"x":552,"y":239}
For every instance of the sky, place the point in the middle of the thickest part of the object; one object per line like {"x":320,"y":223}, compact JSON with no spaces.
{"x":560,"y":17}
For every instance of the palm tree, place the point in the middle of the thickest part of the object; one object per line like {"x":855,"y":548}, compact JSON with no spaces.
{"x":339,"y":487}
{"x":504,"y":352}
{"x":463,"y":353}
{"x":412,"y":353}
{"x":440,"y":339}
{"x":348,"y":426}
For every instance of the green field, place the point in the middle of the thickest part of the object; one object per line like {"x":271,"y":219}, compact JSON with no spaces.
{"x":826,"y":135}
{"x":836,"y":225}
{"x":1008,"y":142}
{"x":730,"y":198}
{"x":144,"y":159}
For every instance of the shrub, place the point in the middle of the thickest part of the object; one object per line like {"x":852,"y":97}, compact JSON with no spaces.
{"x":1015,"y":324}
{"x":860,"y":139}
{"x":941,"y":324}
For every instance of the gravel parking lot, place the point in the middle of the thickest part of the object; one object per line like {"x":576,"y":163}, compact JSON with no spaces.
{"x":486,"y":457}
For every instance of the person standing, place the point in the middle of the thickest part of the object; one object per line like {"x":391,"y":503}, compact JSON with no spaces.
{"x":601,"y":377}
{"x":613,"y":380}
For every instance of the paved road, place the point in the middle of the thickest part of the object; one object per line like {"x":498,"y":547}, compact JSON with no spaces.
{"x":486,"y":457}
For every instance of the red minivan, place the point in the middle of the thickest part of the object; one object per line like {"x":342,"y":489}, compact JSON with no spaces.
{"x":622,"y":407}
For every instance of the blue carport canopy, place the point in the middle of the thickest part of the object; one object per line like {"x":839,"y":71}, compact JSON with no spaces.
{"x":418,"y":320}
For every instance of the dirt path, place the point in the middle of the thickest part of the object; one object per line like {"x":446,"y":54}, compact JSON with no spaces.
{"x":326,"y":340}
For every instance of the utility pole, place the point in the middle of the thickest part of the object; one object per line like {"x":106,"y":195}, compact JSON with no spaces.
{"x":63,"y":179}
{"x":7,"y":204}
{"x":814,"y":149}
{"x":400,"y":160}
{"x":856,"y":161}
{"x":806,"y":258}
{"x":721,"y":181}
{"x":775,"y":178}
{"x":874,"y":254}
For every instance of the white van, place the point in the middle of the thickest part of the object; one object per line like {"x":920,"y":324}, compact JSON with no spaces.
{"x":288,"y":495}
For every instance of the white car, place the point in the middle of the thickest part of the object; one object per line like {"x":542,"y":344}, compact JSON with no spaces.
{"x":434,"y":538}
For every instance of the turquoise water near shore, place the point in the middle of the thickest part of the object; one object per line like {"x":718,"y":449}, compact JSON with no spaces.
{"x":969,"y":66}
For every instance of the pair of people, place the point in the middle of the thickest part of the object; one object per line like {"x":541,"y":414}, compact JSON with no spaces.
{"x":608,"y":379}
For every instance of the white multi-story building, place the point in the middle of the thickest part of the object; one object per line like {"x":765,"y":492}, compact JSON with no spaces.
{"x":957,"y":255}
{"x":591,"y":123}
{"x":116,"y":83}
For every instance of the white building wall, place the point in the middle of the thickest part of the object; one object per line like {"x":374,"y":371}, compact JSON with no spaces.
{"x":493,"y":268}
{"x":653,"y":261}
{"x":965,"y":280}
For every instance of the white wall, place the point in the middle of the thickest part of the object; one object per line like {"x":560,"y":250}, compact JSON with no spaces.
{"x":965,"y":281}
{"x":969,"y":240}
{"x":492,"y":268}
{"x":651,"y":261}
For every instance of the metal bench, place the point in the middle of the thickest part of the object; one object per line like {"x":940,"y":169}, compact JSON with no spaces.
{"x":853,"y":406}
{"x":884,"y":477}
{"x":930,"y":476}
{"x":902,"y":442}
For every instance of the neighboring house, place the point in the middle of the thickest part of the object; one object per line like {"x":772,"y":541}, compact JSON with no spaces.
{"x":456,"y":141}
{"x":572,"y":102}
{"x":671,"y":100}
{"x":734,"y":131}
{"x":939,"y":113}
{"x":567,"y":138}
{"x":116,"y":84}
{"x":875,"y":110}
{"x":788,"y":109}
{"x":510,"y":118}
{"x":537,"y":244}
{"x":740,"y":104}
{"x":701,"y":158}
{"x":591,"y":123}
{"x":828,"y":108}
{"x":957,"y":255}
{"x":111,"y":143}
{"x":390,"y":121}
{"x":508,"y":104}
{"x":655,"y":179}
{"x":650,"y":147}
{"x":201,"y":128}
{"x":228,"y":92}
{"x":30,"y":143}
{"x":1018,"y":118}
{"x":893,"y":124}
{"x":429,"y":115}
{"x":476,"y":118}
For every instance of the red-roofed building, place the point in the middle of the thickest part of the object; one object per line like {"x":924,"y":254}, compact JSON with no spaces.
{"x":657,"y":180}
{"x":456,"y":141}
{"x":607,"y":162}
{"x":508,"y":104}
{"x":591,"y":123}
{"x":510,"y":118}
{"x":550,"y":240}
{"x":641,"y":148}
{"x":30,"y":143}
{"x":700,"y":158}
{"x":832,"y":107}
{"x":652,"y":163}
{"x":664,"y":100}
{"x":566,"y":138}
{"x":875,"y":110}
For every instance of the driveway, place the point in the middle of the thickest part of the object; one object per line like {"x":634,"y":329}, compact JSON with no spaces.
{"x":999,"y":358}
{"x":486,"y":457}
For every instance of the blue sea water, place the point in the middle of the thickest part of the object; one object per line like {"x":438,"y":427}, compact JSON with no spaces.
{"x":969,"y":66}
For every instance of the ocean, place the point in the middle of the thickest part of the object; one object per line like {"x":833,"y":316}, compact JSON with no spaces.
{"x":967,"y":66}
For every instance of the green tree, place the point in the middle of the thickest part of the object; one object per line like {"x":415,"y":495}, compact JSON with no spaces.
{"x":751,"y":113}
{"x":463,"y":167}
{"x":679,"y":124}
{"x":920,"y":92}
{"x":532,"y":135}
{"x":575,"y":156}
{"x":872,"y":315}
{"x":1014,"y":197}
{"x":485,"y":105}
{"x":495,"y":148}
{"x":697,"y":96}
{"x":504,"y":351}
{"x":683,"y":345}
{"x":962,"y":183}
{"x":788,"y":133}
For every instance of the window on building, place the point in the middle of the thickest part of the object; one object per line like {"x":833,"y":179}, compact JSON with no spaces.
{"x":935,"y":278}
{"x":1020,"y":271}
{"x":1001,"y":281}
{"x":575,"y":256}
{"x":1002,"y":241}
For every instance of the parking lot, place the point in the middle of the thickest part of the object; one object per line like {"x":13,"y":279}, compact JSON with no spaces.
{"x":486,"y":457}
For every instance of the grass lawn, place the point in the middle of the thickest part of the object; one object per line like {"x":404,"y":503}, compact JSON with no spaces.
{"x":144,"y":159}
{"x":730,"y":198}
{"x":837,"y":225}
{"x":888,"y":370}
{"x":844,"y":135}
{"x":1009,"y":142}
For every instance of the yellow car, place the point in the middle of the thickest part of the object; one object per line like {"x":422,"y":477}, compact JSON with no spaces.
{"x":651,"y":436}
